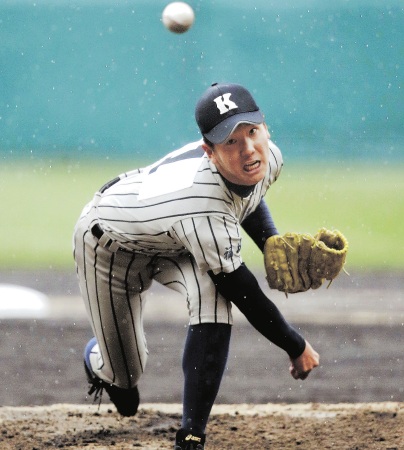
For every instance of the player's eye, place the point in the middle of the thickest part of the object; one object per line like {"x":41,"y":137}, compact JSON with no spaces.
{"x":231,"y":141}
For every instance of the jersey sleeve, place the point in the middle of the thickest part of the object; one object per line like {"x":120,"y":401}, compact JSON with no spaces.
{"x":214,"y":242}
{"x":259,"y":225}
{"x":275,"y":162}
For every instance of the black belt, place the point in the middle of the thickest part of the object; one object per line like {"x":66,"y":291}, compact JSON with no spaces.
{"x":97,"y":232}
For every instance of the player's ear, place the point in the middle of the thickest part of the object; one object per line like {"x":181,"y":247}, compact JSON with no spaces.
{"x":208,"y":149}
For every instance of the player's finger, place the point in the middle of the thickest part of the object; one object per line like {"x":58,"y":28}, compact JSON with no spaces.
{"x":294,"y":372}
{"x":304,"y":375}
{"x":298,"y":375}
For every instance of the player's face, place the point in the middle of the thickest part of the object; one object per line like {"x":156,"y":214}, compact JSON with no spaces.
{"x":244,"y":157}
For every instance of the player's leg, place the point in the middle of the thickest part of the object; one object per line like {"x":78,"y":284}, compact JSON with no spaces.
{"x":205,"y":304}
{"x":204,"y":361}
{"x":111,"y":285}
{"x":206,"y":347}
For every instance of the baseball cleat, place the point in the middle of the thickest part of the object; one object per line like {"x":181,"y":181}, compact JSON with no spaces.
{"x":186,"y":440}
{"x":126,"y":401}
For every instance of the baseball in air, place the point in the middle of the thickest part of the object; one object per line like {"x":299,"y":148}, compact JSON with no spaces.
{"x":178,"y":17}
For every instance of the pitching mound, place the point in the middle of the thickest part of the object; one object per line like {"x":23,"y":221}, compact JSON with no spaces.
{"x":272,"y":426}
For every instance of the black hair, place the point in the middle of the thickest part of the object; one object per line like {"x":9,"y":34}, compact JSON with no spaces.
{"x":207,"y":142}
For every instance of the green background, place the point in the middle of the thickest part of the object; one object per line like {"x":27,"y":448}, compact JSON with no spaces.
{"x":100,"y":78}
{"x":42,"y":203}
{"x":90,"y":89}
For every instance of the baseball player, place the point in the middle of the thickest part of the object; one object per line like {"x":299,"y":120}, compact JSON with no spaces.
{"x":178,"y":222}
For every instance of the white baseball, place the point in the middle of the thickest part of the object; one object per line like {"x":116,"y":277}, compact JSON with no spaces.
{"x":178,"y":17}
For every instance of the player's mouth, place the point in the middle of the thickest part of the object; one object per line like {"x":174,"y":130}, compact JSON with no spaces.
{"x":250,"y":167}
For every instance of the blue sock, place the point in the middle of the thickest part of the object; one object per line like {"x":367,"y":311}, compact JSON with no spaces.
{"x":204,"y":361}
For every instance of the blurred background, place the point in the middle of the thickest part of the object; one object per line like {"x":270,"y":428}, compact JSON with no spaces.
{"x":101,"y":78}
{"x":92,"y":88}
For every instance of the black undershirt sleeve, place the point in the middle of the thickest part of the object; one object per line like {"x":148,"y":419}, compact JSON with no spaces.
{"x":242,"y":288}
{"x":259,"y":225}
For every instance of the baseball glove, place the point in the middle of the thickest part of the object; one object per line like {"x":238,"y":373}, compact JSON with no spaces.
{"x":286,"y":260}
{"x":296,"y":262}
{"x":327,"y":256}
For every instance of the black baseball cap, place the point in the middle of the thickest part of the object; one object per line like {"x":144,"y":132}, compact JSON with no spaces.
{"x":222,"y":107}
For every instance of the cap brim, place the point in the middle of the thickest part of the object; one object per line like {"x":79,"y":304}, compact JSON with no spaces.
{"x":222,"y":131}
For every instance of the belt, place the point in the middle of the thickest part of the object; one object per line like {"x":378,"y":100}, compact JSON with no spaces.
{"x":97,"y":231}
{"x":104,"y":240}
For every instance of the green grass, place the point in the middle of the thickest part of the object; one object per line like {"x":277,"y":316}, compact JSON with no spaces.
{"x":41,"y":203}
{"x":365,"y":202}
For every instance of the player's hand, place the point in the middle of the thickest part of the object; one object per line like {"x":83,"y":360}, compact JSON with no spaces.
{"x":301,"y":367}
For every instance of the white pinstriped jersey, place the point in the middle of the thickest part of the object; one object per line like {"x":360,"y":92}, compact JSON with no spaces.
{"x":181,"y":204}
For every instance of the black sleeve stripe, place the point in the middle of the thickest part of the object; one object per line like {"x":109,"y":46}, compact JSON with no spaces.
{"x":199,"y":242}
{"x":230,"y":241}
{"x":215,"y":242}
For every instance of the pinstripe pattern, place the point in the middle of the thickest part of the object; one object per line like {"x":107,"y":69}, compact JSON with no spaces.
{"x":165,"y":224}
{"x":174,"y":237}
{"x":113,"y":286}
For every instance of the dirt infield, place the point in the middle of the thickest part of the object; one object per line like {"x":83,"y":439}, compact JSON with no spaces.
{"x":354,"y":400}
{"x":236,"y":427}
